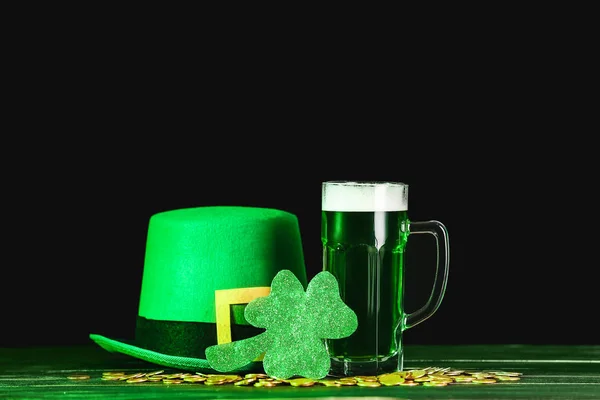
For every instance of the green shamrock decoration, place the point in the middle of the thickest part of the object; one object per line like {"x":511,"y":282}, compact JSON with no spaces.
{"x":297,"y":324}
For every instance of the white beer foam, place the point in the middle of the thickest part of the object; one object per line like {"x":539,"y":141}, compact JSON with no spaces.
{"x":364,"y":196}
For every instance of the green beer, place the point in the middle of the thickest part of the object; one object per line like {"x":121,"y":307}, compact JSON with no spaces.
{"x":364,"y":251}
{"x":364,"y":231}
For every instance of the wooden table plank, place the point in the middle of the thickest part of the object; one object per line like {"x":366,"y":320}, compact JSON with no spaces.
{"x":549,"y":372}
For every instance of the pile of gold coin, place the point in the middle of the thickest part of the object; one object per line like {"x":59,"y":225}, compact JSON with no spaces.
{"x":430,"y":376}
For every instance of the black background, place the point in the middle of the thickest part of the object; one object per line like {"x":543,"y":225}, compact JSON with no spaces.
{"x":495,"y":141}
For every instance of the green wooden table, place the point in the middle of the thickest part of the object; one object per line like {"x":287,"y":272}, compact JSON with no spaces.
{"x":549,"y":372}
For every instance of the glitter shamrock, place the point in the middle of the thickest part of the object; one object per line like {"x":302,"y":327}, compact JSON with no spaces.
{"x":297,"y":324}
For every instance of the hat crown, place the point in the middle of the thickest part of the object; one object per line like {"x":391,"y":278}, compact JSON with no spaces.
{"x":192,"y":252}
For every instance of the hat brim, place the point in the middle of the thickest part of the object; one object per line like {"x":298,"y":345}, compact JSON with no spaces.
{"x":165,"y":360}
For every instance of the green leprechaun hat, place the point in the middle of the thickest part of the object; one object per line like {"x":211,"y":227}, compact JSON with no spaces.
{"x":202,"y":266}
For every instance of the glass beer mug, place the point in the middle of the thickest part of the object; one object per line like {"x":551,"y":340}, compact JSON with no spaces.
{"x":364,"y":231}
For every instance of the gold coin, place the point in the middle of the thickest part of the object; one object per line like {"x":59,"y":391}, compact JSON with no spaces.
{"x":368,"y":384}
{"x":172,"y":381}
{"x":504,"y":373}
{"x":463,"y":378}
{"x":390,"y":379}
{"x":257,"y":376}
{"x":437,"y":370}
{"x":507,"y":378}
{"x":366,"y":378}
{"x":409,"y":383}
{"x":434,"y":383}
{"x":454,"y":372}
{"x":216,"y":379}
{"x":78,"y":377}
{"x":110,"y":378}
{"x":194,"y":379}
{"x":302,"y":382}
{"x":210,"y":382}
{"x":403,"y":374}
{"x":245,"y":382}
{"x":417,"y":373}
{"x":423,"y":379}
{"x":131,"y":376}
{"x":441,"y":379}
{"x":265,"y":384}
{"x":137,"y":380}
{"x":329,"y":382}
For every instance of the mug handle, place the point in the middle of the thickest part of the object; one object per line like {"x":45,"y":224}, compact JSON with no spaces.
{"x":440,"y":233}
